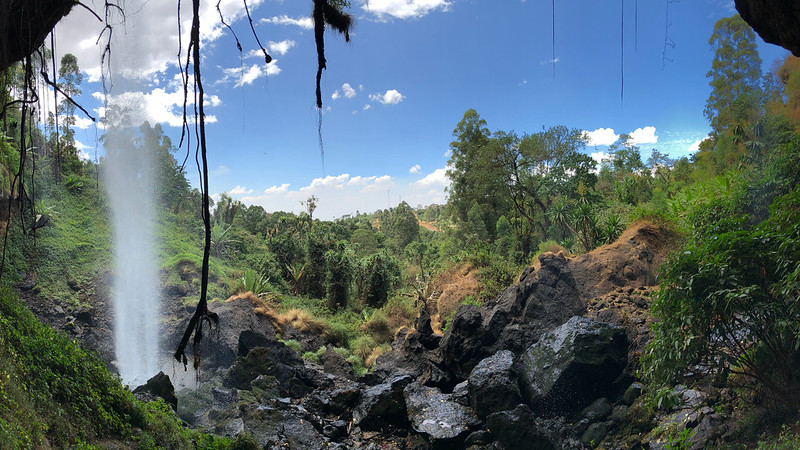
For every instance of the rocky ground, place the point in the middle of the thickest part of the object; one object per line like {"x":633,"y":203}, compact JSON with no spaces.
{"x":549,"y":363}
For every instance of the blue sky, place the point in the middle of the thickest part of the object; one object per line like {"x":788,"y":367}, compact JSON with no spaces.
{"x":394,"y":94}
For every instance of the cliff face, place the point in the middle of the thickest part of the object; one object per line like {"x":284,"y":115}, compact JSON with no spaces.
{"x":24,"y":24}
{"x":776,"y":21}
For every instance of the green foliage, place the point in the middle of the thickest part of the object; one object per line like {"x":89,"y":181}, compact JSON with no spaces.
{"x":254,"y":283}
{"x":378,"y":275}
{"x":729,"y":301}
{"x":52,"y":389}
{"x":339,"y":271}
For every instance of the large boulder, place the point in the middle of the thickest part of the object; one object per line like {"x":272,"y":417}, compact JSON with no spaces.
{"x":571,"y":366}
{"x":383,"y":405}
{"x":517,"y":429}
{"x":543,"y":299}
{"x":221,"y":346}
{"x":411,"y":354}
{"x":159,"y":386}
{"x":493,"y":384}
{"x":273,"y":359}
{"x":435,"y":415}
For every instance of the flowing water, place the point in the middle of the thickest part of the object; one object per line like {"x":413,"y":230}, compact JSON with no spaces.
{"x":131,"y":184}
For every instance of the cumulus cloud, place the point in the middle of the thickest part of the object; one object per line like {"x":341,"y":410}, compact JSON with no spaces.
{"x":390,"y":97}
{"x":240,"y":190}
{"x":436,"y":178}
{"x":415,"y":168}
{"x":302,"y":22}
{"x":348,"y":90}
{"x":147,"y":40}
{"x":241,"y":76}
{"x":601,"y":136}
{"x":599,"y":157}
{"x":404,"y":9}
{"x":277,"y":189}
{"x":646,"y":135}
{"x":695,"y":146}
{"x":367,"y":106}
{"x":281,"y":47}
{"x":158,"y":105}
{"x":545,"y":62}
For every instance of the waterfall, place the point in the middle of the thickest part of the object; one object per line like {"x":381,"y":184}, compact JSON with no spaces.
{"x":130,"y":181}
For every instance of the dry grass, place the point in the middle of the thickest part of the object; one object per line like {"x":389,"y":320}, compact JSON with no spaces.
{"x":301,"y":320}
{"x":450,"y":288}
{"x":377,"y":351}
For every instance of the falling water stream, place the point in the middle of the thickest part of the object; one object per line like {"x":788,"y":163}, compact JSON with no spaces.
{"x":131,"y":184}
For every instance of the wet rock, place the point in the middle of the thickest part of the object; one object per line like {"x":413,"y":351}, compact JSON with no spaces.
{"x":461,"y":393}
{"x":337,"y":402}
{"x":383,"y":405}
{"x":517,"y":429}
{"x":436,"y":415}
{"x":276,"y":360}
{"x":235,"y":317}
{"x":281,"y":427}
{"x":160,"y":386}
{"x":335,"y":364}
{"x":492,"y":384}
{"x":595,"y":434}
{"x":249,"y":339}
{"x":409,"y":355}
{"x":633,"y":392}
{"x":478,"y":438}
{"x":571,"y":366}
{"x":598,"y":410}
{"x":463,"y":343}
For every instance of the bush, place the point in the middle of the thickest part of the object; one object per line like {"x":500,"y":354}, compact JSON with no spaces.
{"x":729,"y":301}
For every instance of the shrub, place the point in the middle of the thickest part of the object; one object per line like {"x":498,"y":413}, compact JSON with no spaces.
{"x":729,"y":301}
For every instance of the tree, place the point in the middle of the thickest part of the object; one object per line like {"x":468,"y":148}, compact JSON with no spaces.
{"x":70,"y":77}
{"x":402,"y":225}
{"x":735,"y":74}
{"x":475,"y":177}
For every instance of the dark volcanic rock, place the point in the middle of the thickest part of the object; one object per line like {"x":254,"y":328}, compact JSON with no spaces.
{"x":335,"y":364}
{"x":517,"y":429}
{"x":493,"y":384}
{"x":411,"y":356}
{"x":276,"y":360}
{"x":160,"y":386}
{"x":463,"y":343}
{"x":249,"y":339}
{"x":383,"y":405}
{"x":235,"y":317}
{"x":571,"y":366}
{"x":437,"y":416}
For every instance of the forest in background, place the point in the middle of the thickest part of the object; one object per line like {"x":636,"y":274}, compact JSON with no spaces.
{"x":728,"y":294}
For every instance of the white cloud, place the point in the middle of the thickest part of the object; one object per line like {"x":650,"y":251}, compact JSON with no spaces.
{"x":302,"y":22}
{"x":367,"y":106}
{"x":146,"y":42}
{"x":240,"y":190}
{"x":601,"y":136}
{"x":599,"y":157}
{"x":277,"y":189}
{"x":404,"y":9}
{"x":415,"y":169}
{"x":545,"y":62}
{"x":335,"y":95}
{"x":280,"y":48}
{"x":646,"y":135}
{"x":390,"y":97}
{"x":82,"y":153}
{"x":344,"y":194}
{"x":436,"y":178}
{"x":247,"y":75}
{"x":159,"y":105}
{"x":84,"y":122}
{"x":348,"y":90}
{"x":695,"y":146}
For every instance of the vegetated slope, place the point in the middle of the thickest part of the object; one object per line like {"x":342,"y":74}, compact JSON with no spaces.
{"x":54,"y":394}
